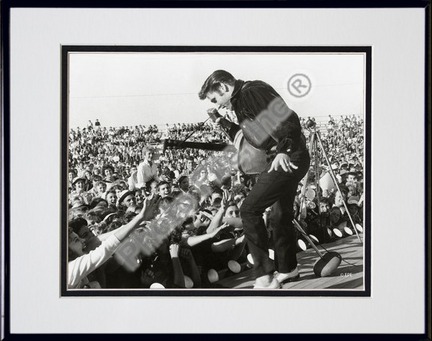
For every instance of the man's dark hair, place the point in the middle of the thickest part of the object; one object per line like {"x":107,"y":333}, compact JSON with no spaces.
{"x":107,"y":167}
{"x":213,"y":82}
{"x":76,"y":224}
{"x":94,"y":215}
{"x":163,"y":183}
{"x":112,"y":191}
{"x":217,"y":190}
{"x":181,"y":178}
{"x":325,"y":201}
{"x":96,"y":201}
{"x":344,"y":190}
{"x":148,"y":184}
{"x":97,"y":178}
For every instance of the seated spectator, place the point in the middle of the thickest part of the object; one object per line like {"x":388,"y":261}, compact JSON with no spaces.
{"x":126,"y":200}
{"x":318,"y":224}
{"x":97,"y":171}
{"x":233,"y":241}
{"x":81,"y":228}
{"x":139,"y":198}
{"x":201,"y":179}
{"x":147,"y":169}
{"x":183,"y":185}
{"x":118,"y":189}
{"x":338,"y":215}
{"x":98,"y":203}
{"x":164,"y":189}
{"x":190,"y":166}
{"x":79,"y":192}
{"x":133,"y":181}
{"x":215,"y":199}
{"x":111,"y":198}
{"x":151,"y":189}
{"x":108,"y":173}
{"x":71,"y":176}
{"x":354,"y":204}
{"x":351,"y":178}
{"x":87,"y":176}
{"x":99,"y":188}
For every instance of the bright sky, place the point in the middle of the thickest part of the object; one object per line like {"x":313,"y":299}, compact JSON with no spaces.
{"x":127,"y":89}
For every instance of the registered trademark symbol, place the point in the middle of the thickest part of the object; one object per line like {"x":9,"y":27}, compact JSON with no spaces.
{"x":299,"y":85}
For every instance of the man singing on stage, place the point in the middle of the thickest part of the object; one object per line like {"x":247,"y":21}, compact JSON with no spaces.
{"x":268,"y":124}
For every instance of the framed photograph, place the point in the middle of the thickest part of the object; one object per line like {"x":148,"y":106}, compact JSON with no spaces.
{"x":120,"y":84}
{"x":238,"y":170}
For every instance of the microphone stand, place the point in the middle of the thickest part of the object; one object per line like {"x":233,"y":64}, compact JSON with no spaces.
{"x":314,"y":141}
{"x":179,"y":144}
{"x":193,"y":132}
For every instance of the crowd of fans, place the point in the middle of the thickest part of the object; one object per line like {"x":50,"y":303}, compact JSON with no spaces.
{"x":176,"y":210}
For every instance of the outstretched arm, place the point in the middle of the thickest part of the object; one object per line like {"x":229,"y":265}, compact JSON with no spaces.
{"x":82,"y":266}
{"x":179,"y":280}
{"x":195,"y":240}
{"x":217,"y":219}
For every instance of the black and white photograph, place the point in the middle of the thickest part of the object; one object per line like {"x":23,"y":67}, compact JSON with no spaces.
{"x":223,"y":170}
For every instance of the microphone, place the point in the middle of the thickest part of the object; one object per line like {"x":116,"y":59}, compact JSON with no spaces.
{"x":229,"y":128}
{"x":214,"y":114}
{"x":310,"y":124}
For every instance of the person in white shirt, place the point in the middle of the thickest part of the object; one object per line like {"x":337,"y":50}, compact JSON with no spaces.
{"x":147,"y":169}
{"x":80,"y":264}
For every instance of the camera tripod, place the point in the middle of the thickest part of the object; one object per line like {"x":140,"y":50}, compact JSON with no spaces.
{"x":315,"y":140}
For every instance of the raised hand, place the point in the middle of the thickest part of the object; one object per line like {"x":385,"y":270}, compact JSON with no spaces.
{"x":148,"y":208}
{"x":174,"y":250}
{"x":220,"y":228}
{"x":185,"y":253}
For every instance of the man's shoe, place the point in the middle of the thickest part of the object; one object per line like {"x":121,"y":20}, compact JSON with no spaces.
{"x":267,"y":283}
{"x":287,"y":277}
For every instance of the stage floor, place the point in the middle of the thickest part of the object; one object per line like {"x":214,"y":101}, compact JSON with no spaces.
{"x":345,"y":277}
